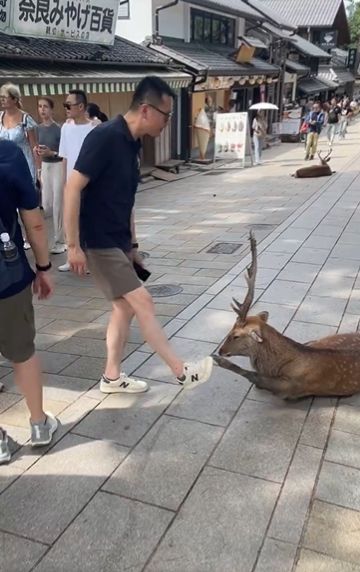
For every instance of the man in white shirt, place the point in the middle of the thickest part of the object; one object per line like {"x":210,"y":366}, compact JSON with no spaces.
{"x":73,"y":133}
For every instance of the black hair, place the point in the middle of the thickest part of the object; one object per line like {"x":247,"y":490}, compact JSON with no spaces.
{"x":151,"y":89}
{"x":94,"y":111}
{"x":48,"y":100}
{"x":80,"y":96}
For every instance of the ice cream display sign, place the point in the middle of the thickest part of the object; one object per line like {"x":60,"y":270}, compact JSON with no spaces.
{"x":231,"y":134}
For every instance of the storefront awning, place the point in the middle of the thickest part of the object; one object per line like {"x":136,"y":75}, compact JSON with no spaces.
{"x":311,"y":86}
{"x":335,"y":78}
{"x":297,"y":68}
{"x":58,"y":80}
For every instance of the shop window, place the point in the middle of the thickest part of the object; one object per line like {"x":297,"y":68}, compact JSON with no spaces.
{"x":212,"y":28}
{"x":124,"y":10}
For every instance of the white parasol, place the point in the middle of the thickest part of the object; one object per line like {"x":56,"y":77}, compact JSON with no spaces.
{"x":263,"y":105}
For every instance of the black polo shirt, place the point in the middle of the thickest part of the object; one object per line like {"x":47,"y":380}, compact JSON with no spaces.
{"x":109,"y":157}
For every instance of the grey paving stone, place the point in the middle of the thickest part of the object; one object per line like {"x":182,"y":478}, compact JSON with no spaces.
{"x":112,"y":534}
{"x":276,"y":555}
{"x":334,"y":531}
{"x":215,"y":402}
{"x":4,"y":371}
{"x":279,"y":314}
{"x":209,"y":325}
{"x":318,"y":422}
{"x":341,"y":266}
{"x":261,"y":439}
{"x":58,"y":387}
{"x":344,"y":448}
{"x":305,"y":331}
{"x":163,"y":466}
{"x":321,"y":310}
{"x":62,"y":301}
{"x":220,"y":526}
{"x":276,"y":260}
{"x":75,"y":314}
{"x":282,"y":244}
{"x":333,"y":286}
{"x":18,"y":414}
{"x":311,"y":255}
{"x":125,"y":418}
{"x":57,"y":487}
{"x":285,"y":292}
{"x":70,"y":328}
{"x":8,"y":474}
{"x":313,"y":562}
{"x":292,"y":507}
{"x":339,"y":485}
{"x":8,"y":400}
{"x":86,"y":367}
{"x":52,"y":362}
{"x":299,"y":272}
{"x":347,"y":418}
{"x":85,"y":347}
{"x":224,"y":300}
{"x":45,"y":341}
{"x":19,"y":554}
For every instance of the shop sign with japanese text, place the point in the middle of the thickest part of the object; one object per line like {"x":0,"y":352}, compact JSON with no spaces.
{"x":91,"y":21}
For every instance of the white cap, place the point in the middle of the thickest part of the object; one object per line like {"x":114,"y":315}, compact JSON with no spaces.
{"x":5,"y":237}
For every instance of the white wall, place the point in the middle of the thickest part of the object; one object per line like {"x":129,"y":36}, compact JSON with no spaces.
{"x":140,"y":23}
{"x":172,"y":20}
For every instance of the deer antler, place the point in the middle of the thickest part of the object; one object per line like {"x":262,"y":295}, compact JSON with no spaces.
{"x":243,"y":309}
{"x":324,"y":160}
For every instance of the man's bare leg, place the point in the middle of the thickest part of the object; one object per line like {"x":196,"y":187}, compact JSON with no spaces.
{"x":116,"y":337}
{"x":28,"y":378}
{"x":144,"y":309}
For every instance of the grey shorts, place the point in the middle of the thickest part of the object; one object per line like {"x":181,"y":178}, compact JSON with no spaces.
{"x":17,"y":326}
{"x":112,"y":271}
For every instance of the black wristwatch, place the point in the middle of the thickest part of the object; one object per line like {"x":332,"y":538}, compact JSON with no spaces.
{"x":43,"y":268}
{"x":135,"y":245}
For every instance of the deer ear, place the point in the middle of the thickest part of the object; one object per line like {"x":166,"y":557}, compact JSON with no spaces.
{"x":264,"y":316}
{"x":256,"y":336}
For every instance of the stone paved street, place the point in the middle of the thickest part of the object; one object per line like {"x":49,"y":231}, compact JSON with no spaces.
{"x":224,"y":478}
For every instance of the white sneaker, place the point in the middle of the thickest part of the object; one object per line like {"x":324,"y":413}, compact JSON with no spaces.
{"x":123,"y":384}
{"x":196,"y":373}
{"x":58,"y":248}
{"x":64,"y":267}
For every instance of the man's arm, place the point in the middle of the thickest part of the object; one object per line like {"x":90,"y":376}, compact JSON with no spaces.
{"x":133,"y":227}
{"x":72,"y":195}
{"x":36,"y":234}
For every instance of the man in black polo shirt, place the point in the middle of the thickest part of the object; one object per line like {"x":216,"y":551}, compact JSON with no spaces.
{"x":100,"y":230}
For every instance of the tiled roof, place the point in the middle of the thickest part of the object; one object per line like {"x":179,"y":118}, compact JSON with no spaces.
{"x":302,"y":45}
{"x":296,"y":67}
{"x":122,"y":52}
{"x":312,"y":86}
{"x":236,"y":7}
{"x":216,"y":59}
{"x":303,"y":13}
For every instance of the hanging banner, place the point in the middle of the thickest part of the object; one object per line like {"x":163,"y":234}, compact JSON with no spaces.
{"x":89,"y":21}
{"x":231,"y":135}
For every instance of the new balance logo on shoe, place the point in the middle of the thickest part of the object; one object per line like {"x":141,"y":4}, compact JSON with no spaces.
{"x":124,"y":384}
{"x":194,"y":377}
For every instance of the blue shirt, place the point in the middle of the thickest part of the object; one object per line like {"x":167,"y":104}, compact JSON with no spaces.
{"x":17,"y":191}
{"x":109,"y":158}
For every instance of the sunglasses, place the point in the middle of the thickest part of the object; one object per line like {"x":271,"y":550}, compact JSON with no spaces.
{"x":68,"y":106}
{"x":166,"y":114}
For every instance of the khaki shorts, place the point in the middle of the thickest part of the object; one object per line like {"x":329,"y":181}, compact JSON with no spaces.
{"x":17,"y":327}
{"x":112,"y":271}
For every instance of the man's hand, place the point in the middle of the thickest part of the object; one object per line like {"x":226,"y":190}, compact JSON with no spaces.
{"x":43,"y":285}
{"x":136,"y":257}
{"x":77,"y":260}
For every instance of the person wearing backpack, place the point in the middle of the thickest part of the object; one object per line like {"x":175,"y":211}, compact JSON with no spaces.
{"x":315,"y":120}
{"x":18,"y":282}
{"x":333,"y":121}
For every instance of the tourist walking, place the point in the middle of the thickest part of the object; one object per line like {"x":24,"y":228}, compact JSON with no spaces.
{"x":315,"y":120}
{"x":73,"y":133}
{"x":17,"y":281}
{"x":259,"y":133}
{"x":51,"y":171}
{"x":101,"y":232}
{"x":333,"y":114}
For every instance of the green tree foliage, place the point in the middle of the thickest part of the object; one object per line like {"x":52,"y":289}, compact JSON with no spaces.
{"x":354,"y":21}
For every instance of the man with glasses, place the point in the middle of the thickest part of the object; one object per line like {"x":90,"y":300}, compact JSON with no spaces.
{"x":73,"y":133}
{"x":101,"y":233}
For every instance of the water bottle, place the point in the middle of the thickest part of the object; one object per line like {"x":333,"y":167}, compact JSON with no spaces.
{"x":8,"y":247}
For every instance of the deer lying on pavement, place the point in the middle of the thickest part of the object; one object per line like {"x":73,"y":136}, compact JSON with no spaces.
{"x":322,"y":170}
{"x":327,"y":367}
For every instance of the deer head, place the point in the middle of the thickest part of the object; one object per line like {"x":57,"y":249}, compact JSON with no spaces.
{"x":326,"y":159}
{"x":247,"y":331}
